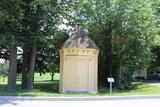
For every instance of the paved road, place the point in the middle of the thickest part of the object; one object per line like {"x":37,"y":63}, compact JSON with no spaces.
{"x":131,"y":101}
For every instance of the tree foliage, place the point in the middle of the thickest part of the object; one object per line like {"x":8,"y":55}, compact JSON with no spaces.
{"x":124,"y":30}
{"x":27,"y":24}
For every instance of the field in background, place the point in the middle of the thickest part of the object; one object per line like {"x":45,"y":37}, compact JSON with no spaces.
{"x":45,"y":76}
{"x":37,"y":78}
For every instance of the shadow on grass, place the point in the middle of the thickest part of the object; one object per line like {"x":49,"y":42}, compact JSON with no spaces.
{"x":50,"y":88}
{"x":47,"y":86}
{"x":134,"y":86}
{"x":39,"y":87}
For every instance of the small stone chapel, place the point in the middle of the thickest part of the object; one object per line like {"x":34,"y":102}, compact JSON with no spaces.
{"x":79,"y":64}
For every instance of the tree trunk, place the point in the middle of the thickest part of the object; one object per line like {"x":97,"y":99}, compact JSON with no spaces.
{"x":30,"y":79}
{"x":110,"y":50}
{"x":106,"y":70}
{"x":102,"y":72}
{"x":25,"y":66}
{"x":52,"y":76}
{"x":12,"y":69}
{"x":119,"y":71}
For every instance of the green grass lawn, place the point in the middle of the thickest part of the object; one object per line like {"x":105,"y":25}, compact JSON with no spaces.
{"x":140,"y":89}
{"x":43,"y":86}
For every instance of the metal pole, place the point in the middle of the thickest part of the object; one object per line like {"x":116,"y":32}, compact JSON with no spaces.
{"x":110,"y":87}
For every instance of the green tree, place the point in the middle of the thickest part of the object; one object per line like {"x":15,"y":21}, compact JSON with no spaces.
{"x":38,"y":23}
{"x":155,"y":64}
{"x":26,"y":23}
{"x":10,"y":16}
{"x":124,"y":30}
{"x":48,"y":57}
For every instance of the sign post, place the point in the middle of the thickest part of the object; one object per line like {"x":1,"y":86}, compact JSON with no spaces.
{"x":110,"y":80}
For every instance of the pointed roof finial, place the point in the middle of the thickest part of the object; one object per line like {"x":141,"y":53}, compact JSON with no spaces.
{"x":79,"y":39}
